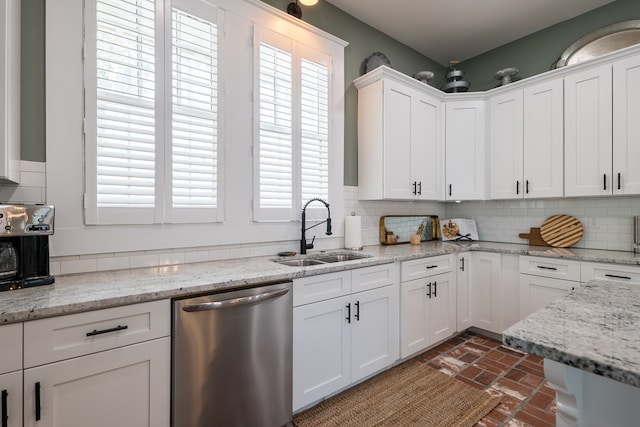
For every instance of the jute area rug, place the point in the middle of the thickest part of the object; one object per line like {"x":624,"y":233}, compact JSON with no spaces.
{"x":411,"y":394}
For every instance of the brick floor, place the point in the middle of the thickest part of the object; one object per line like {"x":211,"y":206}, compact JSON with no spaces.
{"x":516,"y":377}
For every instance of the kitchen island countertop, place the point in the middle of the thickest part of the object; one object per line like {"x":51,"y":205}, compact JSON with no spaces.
{"x":97,"y":290}
{"x":595,"y":329}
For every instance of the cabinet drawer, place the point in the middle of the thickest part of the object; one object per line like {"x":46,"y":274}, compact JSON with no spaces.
{"x":550,"y":267}
{"x":322,"y":287}
{"x":10,"y":347}
{"x":425,"y":267}
{"x":373,"y":277}
{"x":622,"y":273}
{"x":58,"y":338}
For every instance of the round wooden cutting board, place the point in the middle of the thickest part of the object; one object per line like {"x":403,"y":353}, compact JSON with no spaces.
{"x":561,"y":231}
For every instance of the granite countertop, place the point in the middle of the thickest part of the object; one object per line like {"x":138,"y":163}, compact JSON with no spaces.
{"x":91,"y":291}
{"x":595,"y":329}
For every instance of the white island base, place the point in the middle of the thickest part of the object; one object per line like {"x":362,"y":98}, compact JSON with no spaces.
{"x":588,"y":400}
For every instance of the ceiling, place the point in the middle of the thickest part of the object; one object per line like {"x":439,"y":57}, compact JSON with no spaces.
{"x":461,"y":29}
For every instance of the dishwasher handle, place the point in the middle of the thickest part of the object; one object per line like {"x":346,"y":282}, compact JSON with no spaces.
{"x":234,"y":302}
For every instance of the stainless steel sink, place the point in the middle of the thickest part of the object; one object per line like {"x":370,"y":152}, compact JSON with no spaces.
{"x":321,"y":259}
{"x":300,"y":262}
{"x":340,"y":257}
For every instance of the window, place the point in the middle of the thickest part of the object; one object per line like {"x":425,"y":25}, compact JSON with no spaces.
{"x":292,"y":137}
{"x":151,"y":113}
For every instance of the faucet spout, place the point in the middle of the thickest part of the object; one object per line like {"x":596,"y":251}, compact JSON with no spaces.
{"x":303,"y":240}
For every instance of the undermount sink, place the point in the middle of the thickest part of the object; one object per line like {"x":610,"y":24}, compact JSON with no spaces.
{"x":320,"y":259}
{"x":300,"y":262}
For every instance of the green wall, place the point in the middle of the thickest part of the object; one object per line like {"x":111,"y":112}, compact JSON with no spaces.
{"x":535,"y":54}
{"x":32,"y":94}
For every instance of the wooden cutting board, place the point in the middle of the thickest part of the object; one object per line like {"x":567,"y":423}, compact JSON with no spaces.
{"x":561,"y":231}
{"x":534,"y":237}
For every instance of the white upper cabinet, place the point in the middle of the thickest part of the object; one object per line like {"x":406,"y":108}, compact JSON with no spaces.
{"x":464,"y":150}
{"x":10,"y":90}
{"x":506,"y":146}
{"x":399,"y":138}
{"x":588,"y":132}
{"x":526,"y":142}
{"x":626,"y":126}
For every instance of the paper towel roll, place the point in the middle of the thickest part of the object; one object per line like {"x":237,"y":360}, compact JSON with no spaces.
{"x":353,"y":232}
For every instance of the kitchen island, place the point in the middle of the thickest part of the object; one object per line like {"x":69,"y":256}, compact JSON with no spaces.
{"x":591,"y":345}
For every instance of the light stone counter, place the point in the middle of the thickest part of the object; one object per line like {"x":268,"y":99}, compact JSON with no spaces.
{"x":595,"y":329}
{"x":91,"y":291}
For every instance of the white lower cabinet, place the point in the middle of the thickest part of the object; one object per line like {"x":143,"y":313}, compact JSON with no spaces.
{"x":339,"y":341}
{"x":127,"y":386}
{"x":543,"y":280}
{"x":101,"y":368}
{"x":11,"y":394}
{"x":485,"y":291}
{"x":427,"y":303}
{"x":619,"y":273}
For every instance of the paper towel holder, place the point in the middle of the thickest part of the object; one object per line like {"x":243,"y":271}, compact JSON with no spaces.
{"x":349,"y":243}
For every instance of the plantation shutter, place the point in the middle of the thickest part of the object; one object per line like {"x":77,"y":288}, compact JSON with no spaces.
{"x":194,"y":157}
{"x":292,"y":160}
{"x":314,"y":101}
{"x":125,"y":158}
{"x":152,"y":140}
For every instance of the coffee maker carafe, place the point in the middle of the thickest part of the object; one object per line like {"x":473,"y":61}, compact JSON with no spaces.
{"x":24,"y":245}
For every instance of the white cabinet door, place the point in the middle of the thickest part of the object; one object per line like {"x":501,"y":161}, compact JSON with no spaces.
{"x":537,"y":292}
{"x":506,"y":145}
{"x":510,"y":290}
{"x":11,"y":397}
{"x":398,"y":105}
{"x":543,"y":140}
{"x":626,"y":126}
{"x":321,"y":350}
{"x":588,"y":132}
{"x":374,"y":331}
{"x":464,"y":150}
{"x":463,"y":314}
{"x":127,"y":386}
{"x":442,"y":307}
{"x":10,"y":348}
{"x":485,"y":294}
{"x":426,"y":147}
{"x":414,"y":317}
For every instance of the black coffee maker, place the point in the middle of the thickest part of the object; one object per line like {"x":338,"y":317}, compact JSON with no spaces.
{"x":24,"y":245}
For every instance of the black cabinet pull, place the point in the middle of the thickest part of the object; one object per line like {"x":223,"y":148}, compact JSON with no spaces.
{"x":435,"y":289}
{"x":429,"y":289}
{"x":615,"y":276}
{"x":517,"y":187}
{"x":431,"y":266}
{"x":462,"y":264}
{"x":619,"y":181}
{"x":38,"y":414}
{"x":527,"y":184}
{"x":5,"y":414}
{"x":420,"y":188}
{"x":357,"y":316}
{"x":605,"y":181}
{"x":449,"y":189}
{"x":547,"y":268}
{"x":106,"y":331}
{"x":349,"y":313}
{"x":414,"y":187}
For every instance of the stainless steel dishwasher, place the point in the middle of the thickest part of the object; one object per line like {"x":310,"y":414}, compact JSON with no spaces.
{"x":232,"y":356}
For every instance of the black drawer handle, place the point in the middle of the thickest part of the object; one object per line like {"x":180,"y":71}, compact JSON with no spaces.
{"x":5,"y":415}
{"x":547,"y":268}
{"x":432,"y":266}
{"x":348,"y":313}
{"x":615,"y":276}
{"x":38,"y":414}
{"x":106,"y":331}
